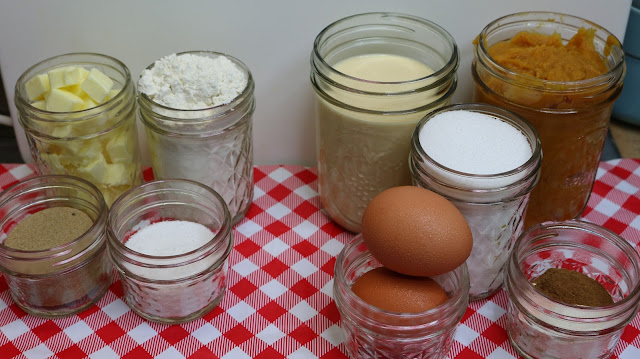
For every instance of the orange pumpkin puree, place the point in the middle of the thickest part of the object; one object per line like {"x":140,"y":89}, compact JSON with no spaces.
{"x":546,"y":57}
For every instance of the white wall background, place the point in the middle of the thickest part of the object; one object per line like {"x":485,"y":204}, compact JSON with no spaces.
{"x":274,"y":38}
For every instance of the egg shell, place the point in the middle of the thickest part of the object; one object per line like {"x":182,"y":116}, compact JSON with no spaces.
{"x":415,"y":231}
{"x":395,"y":292}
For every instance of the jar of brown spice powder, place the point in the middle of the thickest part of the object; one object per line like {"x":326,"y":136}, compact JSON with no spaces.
{"x":53,"y":244}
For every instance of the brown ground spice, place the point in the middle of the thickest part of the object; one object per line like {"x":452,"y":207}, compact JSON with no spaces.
{"x":571,"y":287}
{"x":49,"y":228}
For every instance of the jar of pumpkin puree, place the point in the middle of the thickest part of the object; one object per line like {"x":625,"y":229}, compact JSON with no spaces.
{"x":563,"y":74}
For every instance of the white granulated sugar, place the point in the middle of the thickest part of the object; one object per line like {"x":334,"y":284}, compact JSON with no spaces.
{"x":192,"y":82}
{"x":169,"y":238}
{"x":474,"y":143}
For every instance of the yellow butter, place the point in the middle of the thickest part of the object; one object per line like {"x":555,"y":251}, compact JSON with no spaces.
{"x":63,"y":101}
{"x":74,"y":75}
{"x":97,"y":85}
{"x":40,"y":105}
{"x":57,"y":76}
{"x":37,"y":86}
{"x":119,"y":149}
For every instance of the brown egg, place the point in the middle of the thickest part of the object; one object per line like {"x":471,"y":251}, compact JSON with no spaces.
{"x":395,"y":292}
{"x":417,"y":232}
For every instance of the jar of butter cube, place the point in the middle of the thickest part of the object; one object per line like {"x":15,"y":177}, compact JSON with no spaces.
{"x":78,"y":112}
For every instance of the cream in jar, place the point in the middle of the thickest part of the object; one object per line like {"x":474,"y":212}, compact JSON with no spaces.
{"x":375,"y":76}
{"x":485,"y":160}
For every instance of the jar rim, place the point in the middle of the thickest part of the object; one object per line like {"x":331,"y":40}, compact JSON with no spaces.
{"x":214,"y":243}
{"x":514,"y":270}
{"x":529,"y":19}
{"x":451,"y":62}
{"x":459,"y":295}
{"x":36,"y":182}
{"x":494,"y":111}
{"x":71,"y":116}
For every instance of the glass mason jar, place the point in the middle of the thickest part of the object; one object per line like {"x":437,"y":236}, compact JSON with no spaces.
{"x":363,"y":127}
{"x":99,"y":144}
{"x":539,"y":326}
{"x":63,"y":280}
{"x":571,"y":117}
{"x":213,"y":146}
{"x":173,"y":288}
{"x":376,"y":333}
{"x":494,"y":205}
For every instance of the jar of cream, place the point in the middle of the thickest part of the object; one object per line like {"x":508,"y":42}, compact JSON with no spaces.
{"x":169,"y":241}
{"x":375,"y":75}
{"x":55,"y":279}
{"x":542,"y":327}
{"x":376,"y":333}
{"x":485,"y":160}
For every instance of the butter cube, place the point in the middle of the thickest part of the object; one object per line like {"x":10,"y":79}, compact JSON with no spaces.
{"x":74,"y":75}
{"x":97,"y":85}
{"x":63,"y":101}
{"x":73,"y":79}
{"x":89,"y":103}
{"x":61,"y":131}
{"x":119,"y":149}
{"x":40,"y":105}
{"x":116,"y":174}
{"x":37,"y":86}
{"x":95,"y":170}
{"x":57,"y":76}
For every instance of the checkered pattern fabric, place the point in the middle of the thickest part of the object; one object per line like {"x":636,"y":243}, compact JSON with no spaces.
{"x":279,"y":299}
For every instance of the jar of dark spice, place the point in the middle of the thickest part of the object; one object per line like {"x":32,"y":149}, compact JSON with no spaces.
{"x":53,"y":246}
{"x":545,"y":319}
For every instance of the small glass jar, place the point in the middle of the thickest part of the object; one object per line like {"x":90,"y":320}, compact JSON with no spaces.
{"x":363,"y":128}
{"x":173,"y":288}
{"x":63,"y":280}
{"x":493,"y":204}
{"x":571,"y":117}
{"x":539,"y":326}
{"x":376,"y":333}
{"x":213,"y":146}
{"x":99,"y":144}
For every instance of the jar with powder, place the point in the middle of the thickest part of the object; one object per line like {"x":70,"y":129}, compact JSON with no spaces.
{"x":485,"y":160}
{"x":169,"y":241}
{"x":375,"y":76}
{"x":376,"y":333}
{"x":197,"y":109}
{"x":86,"y":126}
{"x":53,"y":250}
{"x":540,"y":326}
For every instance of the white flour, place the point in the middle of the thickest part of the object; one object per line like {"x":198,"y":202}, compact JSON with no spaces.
{"x":192,"y":82}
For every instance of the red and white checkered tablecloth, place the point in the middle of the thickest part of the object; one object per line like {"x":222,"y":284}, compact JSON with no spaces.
{"x":279,"y":299}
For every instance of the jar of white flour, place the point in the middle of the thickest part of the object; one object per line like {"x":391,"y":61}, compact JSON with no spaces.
{"x":197,"y":110}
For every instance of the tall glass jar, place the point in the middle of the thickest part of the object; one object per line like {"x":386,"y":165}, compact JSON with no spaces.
{"x":171,"y":288}
{"x":571,"y":117}
{"x":494,"y":204}
{"x":63,"y":280}
{"x":213,"y":146}
{"x":376,"y":333}
{"x":99,"y":144}
{"x":364,"y":127}
{"x":541,"y":327}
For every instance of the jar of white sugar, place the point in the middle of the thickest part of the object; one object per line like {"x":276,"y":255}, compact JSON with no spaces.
{"x":485,"y":160}
{"x":169,"y":241}
{"x":78,"y":112}
{"x":197,"y":109}
{"x":375,"y":76}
